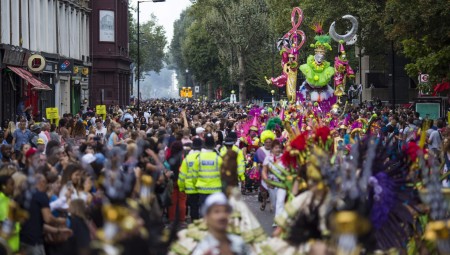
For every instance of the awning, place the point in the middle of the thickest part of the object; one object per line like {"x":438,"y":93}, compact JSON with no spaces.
{"x":30,"y":78}
{"x":407,"y":106}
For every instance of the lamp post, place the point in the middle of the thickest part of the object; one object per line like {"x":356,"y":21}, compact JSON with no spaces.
{"x":273,"y":99}
{"x":139,"y":51}
{"x":233,"y":97}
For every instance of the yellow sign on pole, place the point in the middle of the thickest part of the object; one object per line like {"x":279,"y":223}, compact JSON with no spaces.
{"x":101,"y":110}
{"x":448,"y":118}
{"x":52,"y":113}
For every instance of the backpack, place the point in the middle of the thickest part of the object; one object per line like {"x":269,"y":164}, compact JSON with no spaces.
{"x":33,"y":139}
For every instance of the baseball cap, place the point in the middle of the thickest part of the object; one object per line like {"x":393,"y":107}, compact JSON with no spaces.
{"x":199,"y":130}
{"x":30,"y":152}
{"x":40,"y":141}
{"x":88,"y":158}
{"x":35,"y":127}
{"x":215,"y":199}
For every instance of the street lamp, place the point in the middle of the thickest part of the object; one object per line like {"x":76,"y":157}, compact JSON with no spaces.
{"x":187,"y":72}
{"x":273,"y":99}
{"x":233,"y":97}
{"x":139,"y":50}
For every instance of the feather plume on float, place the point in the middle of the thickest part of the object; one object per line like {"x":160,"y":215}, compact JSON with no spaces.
{"x":244,"y":128}
{"x":273,"y":123}
{"x":384,"y":174}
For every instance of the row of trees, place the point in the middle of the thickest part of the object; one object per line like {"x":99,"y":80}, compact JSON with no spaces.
{"x":231,"y":42}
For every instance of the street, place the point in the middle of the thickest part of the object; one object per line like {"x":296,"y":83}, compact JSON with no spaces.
{"x":264,"y":217}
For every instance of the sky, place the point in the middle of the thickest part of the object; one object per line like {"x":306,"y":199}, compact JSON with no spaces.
{"x":166,"y":12}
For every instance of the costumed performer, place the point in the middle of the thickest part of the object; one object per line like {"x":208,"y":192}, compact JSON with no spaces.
{"x":289,"y":45}
{"x":318,"y":73}
{"x":342,"y":68}
{"x":267,"y":137}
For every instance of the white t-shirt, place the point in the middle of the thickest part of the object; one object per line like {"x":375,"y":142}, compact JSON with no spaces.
{"x":101,"y":133}
{"x":146,"y":116}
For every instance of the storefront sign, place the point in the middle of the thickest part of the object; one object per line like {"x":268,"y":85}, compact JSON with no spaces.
{"x":65,"y":66}
{"x":106,"y":26}
{"x":13,"y":57}
{"x":52,"y":113}
{"x":36,"y":63}
{"x":50,"y":67}
{"x":85,"y":71}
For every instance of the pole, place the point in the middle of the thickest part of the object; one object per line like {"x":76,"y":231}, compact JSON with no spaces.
{"x":273,"y":67}
{"x":393,"y":75}
{"x":138,"y":61}
{"x":360,"y":75}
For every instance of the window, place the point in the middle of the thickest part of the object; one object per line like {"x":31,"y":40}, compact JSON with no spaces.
{"x":376,"y":80}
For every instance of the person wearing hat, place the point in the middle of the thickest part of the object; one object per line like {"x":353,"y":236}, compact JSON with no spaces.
{"x":40,"y":145}
{"x":200,"y":131}
{"x":230,"y":144}
{"x":206,"y":173}
{"x":35,"y":130}
{"x":217,"y":212}
{"x":185,"y":183}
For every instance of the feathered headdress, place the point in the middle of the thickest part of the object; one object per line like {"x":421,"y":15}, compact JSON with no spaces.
{"x":322,"y":40}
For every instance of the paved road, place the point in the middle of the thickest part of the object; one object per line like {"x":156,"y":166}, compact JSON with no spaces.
{"x":264,"y":217}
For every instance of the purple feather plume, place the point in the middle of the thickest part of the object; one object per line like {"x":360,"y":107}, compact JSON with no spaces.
{"x":385,"y":200}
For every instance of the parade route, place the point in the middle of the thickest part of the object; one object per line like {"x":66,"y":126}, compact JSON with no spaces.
{"x":265,"y":217}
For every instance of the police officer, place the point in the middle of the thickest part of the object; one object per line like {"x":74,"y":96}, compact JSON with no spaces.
{"x":185,"y":178}
{"x":230,"y":144}
{"x":206,"y":178}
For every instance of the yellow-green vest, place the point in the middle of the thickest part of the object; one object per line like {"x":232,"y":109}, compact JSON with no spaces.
{"x":240,"y":160}
{"x":207,"y":178}
{"x":186,"y":176}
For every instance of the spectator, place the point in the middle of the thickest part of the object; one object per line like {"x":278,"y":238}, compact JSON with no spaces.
{"x":21,"y":136}
{"x":32,"y":233}
{"x":435,"y":141}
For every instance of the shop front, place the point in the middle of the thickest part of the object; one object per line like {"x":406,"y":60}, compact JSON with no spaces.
{"x":21,"y":89}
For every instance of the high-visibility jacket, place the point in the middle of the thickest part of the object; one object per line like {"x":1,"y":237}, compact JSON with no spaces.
{"x":14,"y":239}
{"x":240,"y":160}
{"x":186,"y":175}
{"x":207,"y":178}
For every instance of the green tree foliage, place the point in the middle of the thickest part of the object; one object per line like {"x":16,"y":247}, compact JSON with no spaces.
{"x":232,"y":41}
{"x":152,"y":43}
{"x":420,"y":29}
{"x":200,"y":54}
{"x":223,"y":43}
{"x":175,"y":54}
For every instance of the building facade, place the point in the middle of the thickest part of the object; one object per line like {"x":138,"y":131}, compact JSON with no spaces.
{"x":380,"y":74}
{"x":44,"y":53}
{"x":110,"y":58}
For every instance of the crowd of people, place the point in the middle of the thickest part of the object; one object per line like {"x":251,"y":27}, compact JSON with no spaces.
{"x":169,"y":177}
